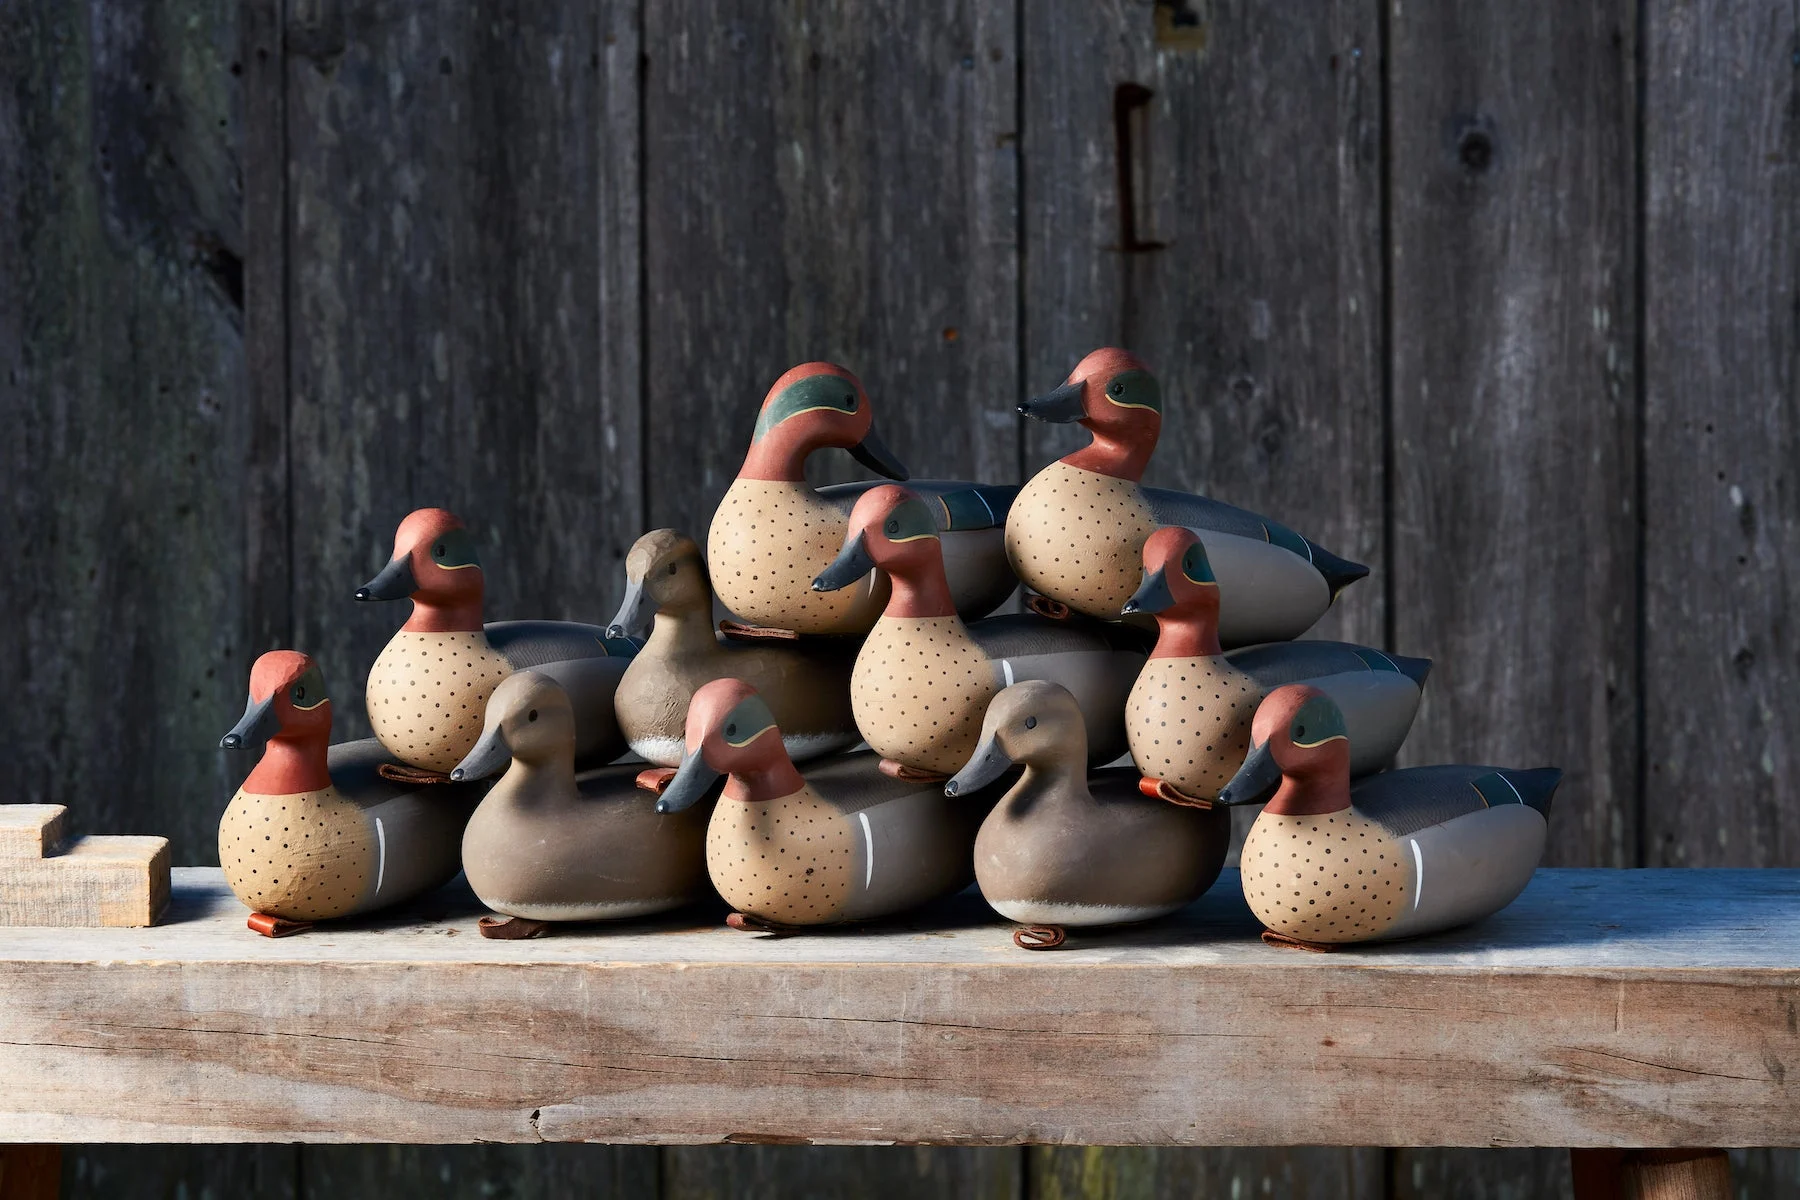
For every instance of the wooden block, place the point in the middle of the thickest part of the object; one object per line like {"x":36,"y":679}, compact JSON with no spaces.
{"x":30,"y":1172}
{"x":31,"y":830}
{"x":96,"y":881}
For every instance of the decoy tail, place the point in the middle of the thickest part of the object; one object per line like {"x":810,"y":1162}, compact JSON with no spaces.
{"x":1415,"y":669}
{"x":1339,"y":573}
{"x":1536,"y":786}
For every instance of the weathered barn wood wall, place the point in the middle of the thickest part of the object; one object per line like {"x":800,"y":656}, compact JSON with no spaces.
{"x":1502,"y":300}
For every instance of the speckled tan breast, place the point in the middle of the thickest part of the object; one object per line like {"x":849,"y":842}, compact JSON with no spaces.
{"x":1188,"y":721}
{"x":919,"y":690}
{"x":427,"y":693}
{"x":786,"y":861}
{"x":1077,"y":536}
{"x":1332,"y":878}
{"x":305,"y":857}
{"x":769,"y":540}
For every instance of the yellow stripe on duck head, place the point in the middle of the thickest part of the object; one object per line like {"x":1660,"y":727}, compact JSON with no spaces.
{"x":1112,"y":394}
{"x":434,"y":563}
{"x":813,"y":406}
{"x":731,"y":732}
{"x":895,"y":530}
{"x":1299,"y":747}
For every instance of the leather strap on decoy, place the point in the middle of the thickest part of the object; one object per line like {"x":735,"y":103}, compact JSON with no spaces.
{"x":1039,"y":937}
{"x":655,"y":780}
{"x":511,"y":929}
{"x":401,"y":773}
{"x":906,"y":774}
{"x":271,"y":926}
{"x":1162,"y":789}
{"x":1294,"y":943}
{"x":750,"y":924}
{"x":1044,"y":606}
{"x":737,"y":631}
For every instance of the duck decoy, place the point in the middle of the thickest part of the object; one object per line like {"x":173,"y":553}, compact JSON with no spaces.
{"x":804,"y":681}
{"x":1189,"y":714}
{"x":427,"y":689}
{"x":546,"y":845}
{"x":773,"y":532}
{"x":846,"y":842}
{"x":317,"y":833}
{"x":923,"y":679}
{"x":1394,"y":855}
{"x":1063,"y":848}
{"x":1075,"y":530}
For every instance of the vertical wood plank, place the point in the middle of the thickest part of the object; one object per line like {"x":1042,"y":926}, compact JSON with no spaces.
{"x":1721,"y":437}
{"x":1515,"y":425}
{"x":464,"y":318}
{"x":819,"y":187}
{"x":480,"y":1172}
{"x":30,"y":1172}
{"x":1144,"y":1173}
{"x":122,"y":390}
{"x":809,"y":1172}
{"x":189,"y":1172}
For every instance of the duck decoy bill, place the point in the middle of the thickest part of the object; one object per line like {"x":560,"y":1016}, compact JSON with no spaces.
{"x":1153,"y":597}
{"x":636,"y":612}
{"x":1060,"y":406}
{"x":852,"y":563}
{"x":489,"y":755}
{"x":874,"y":454}
{"x":988,"y":764}
{"x":258,"y":724}
{"x":1255,"y":781}
{"x":395,"y":582}
{"x":692,"y":781}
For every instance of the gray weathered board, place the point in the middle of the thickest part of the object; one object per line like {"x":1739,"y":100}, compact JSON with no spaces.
{"x":1603,"y":1007}
{"x":1497,"y":299}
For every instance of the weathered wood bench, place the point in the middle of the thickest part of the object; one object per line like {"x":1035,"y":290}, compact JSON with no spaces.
{"x":1604,"y":1009}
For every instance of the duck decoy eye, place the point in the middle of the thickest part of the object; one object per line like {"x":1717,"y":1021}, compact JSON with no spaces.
{"x":437,"y":551}
{"x":1117,"y":388}
{"x":1031,"y":722}
{"x":1299,"y":732}
{"x":672,"y":568}
{"x":532,"y":715}
{"x":850,"y":402}
{"x":892,"y":526}
{"x":731,"y":730}
{"x":300,"y":692}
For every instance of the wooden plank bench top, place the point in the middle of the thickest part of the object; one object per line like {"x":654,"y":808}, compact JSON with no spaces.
{"x":1604,"y":1008}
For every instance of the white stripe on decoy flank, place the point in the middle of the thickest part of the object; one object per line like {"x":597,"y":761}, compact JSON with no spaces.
{"x":1390,"y":662}
{"x":868,"y":849}
{"x":1418,"y":873}
{"x":1006,"y":670}
{"x":380,"y":854}
{"x":986,"y":505}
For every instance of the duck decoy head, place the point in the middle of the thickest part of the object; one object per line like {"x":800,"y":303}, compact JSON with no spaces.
{"x":1110,"y":389}
{"x":528,"y":718}
{"x":287,"y":696}
{"x":1176,"y":572}
{"x":812,"y":406}
{"x":663,"y":573}
{"x":434,"y":558}
{"x":1299,"y":733}
{"x":730,"y":731}
{"x":890,"y":528}
{"x":1037,"y":723}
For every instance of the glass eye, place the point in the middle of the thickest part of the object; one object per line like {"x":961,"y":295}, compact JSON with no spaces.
{"x":1031,"y":722}
{"x":671,"y":568}
{"x":532,"y":715}
{"x":300,"y":692}
{"x":892,"y":526}
{"x":1299,"y":732}
{"x":1117,"y":388}
{"x":437,"y":551}
{"x":731,"y":730}
{"x":850,"y":401}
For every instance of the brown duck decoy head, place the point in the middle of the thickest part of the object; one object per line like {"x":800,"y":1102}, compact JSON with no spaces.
{"x":528,"y":718}
{"x":730,"y":731}
{"x":663,"y":573}
{"x":813,"y":406}
{"x":435,"y":563}
{"x":288,"y":707}
{"x":1299,"y":750}
{"x":1037,"y":723}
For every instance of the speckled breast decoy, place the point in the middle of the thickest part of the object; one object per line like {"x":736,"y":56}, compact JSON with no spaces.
{"x":1189,"y":714}
{"x":1075,"y":530}
{"x":317,"y":833}
{"x":773,"y":532}
{"x":1063,"y":848}
{"x":804,"y":681}
{"x":547,"y":845}
{"x":428,"y":688}
{"x":923,"y":678}
{"x":844,"y":843}
{"x":1395,"y":855}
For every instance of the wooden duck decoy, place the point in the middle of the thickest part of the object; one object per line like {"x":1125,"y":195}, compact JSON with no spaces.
{"x":923,"y":679}
{"x":1065,"y":848}
{"x":427,"y":689}
{"x":773,"y":532}
{"x":1189,"y":714}
{"x":805,"y":682}
{"x":1074,"y":532}
{"x":844,"y":843}
{"x":317,"y":833}
{"x":546,"y":845}
{"x":1394,"y":855}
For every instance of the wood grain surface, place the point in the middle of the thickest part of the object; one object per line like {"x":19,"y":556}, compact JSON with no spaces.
{"x":1498,"y":303}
